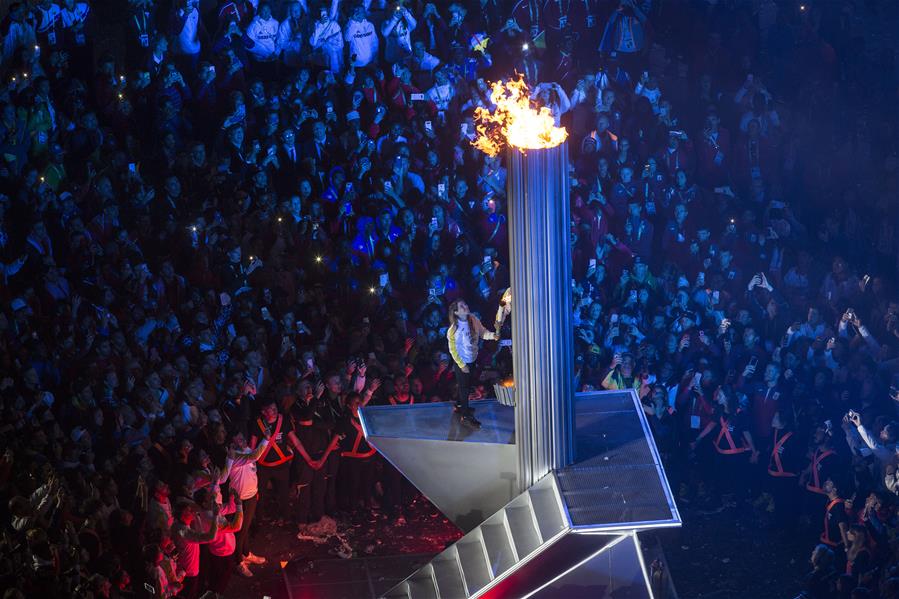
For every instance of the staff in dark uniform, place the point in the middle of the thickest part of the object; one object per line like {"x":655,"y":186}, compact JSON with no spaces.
{"x":328,"y":413}
{"x":836,"y":521}
{"x":357,"y":460}
{"x":733,"y":442}
{"x":784,"y":465}
{"x":823,"y":463}
{"x":274,"y":464}
{"x":308,"y":476}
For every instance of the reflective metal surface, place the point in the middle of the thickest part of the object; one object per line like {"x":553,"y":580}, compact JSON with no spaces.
{"x":571,"y":534}
{"x":542,"y":333}
{"x":437,"y":422}
{"x":617,"y":480}
{"x":468,"y":474}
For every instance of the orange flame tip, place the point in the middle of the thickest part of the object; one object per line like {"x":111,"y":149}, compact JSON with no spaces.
{"x":515,"y":122}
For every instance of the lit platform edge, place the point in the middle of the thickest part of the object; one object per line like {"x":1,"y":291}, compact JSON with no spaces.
{"x":529,"y":549}
{"x":616,"y":483}
{"x":438,"y":422}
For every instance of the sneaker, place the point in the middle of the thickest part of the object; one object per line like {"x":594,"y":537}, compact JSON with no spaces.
{"x":244,"y":570}
{"x":254,"y":559}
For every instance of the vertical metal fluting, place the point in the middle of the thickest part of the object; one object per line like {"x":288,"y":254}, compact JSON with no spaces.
{"x":542,"y":335}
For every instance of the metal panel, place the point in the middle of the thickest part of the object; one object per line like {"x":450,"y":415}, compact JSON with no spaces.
{"x":437,"y":421}
{"x":552,"y":560}
{"x":466,"y":481}
{"x":542,"y":334}
{"x":614,"y":572}
{"x":618,"y":481}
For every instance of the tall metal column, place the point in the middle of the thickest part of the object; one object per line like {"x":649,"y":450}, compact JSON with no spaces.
{"x":542,"y":335}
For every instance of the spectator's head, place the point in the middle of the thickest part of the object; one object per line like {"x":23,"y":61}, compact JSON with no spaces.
{"x":890,"y":432}
{"x":833,"y":487}
{"x":185,"y":511}
{"x":822,"y":557}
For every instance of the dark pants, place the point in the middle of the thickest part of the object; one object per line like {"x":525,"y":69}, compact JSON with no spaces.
{"x":310,"y":486}
{"x":329,"y":474}
{"x":243,"y":535}
{"x":463,"y":385}
{"x":220,"y":567}
{"x":355,"y":483}
{"x":787,"y":497}
{"x":279,"y":477}
{"x":397,"y":491}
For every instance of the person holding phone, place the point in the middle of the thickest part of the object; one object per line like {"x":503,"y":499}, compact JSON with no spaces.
{"x":463,"y":338}
{"x":621,"y":373}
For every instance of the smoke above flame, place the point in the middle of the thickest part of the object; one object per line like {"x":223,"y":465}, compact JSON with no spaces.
{"x":515,"y":122}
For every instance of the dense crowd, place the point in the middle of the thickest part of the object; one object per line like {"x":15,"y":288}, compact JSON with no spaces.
{"x":225,"y":226}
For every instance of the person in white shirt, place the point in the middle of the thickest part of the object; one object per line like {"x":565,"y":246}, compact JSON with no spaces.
{"x":188,"y":536}
{"x":463,"y":338}
{"x":186,"y":27}
{"x":48,"y":23}
{"x":422,"y":60}
{"x":397,"y":31}
{"x":327,"y":37}
{"x":73,"y":17}
{"x":290,"y":36}
{"x":221,"y":547}
{"x":361,"y":37}
{"x":243,"y":481}
{"x":648,"y":87}
{"x":19,"y":32}
{"x":263,"y":32}
{"x":443,"y":92}
{"x":553,"y":97}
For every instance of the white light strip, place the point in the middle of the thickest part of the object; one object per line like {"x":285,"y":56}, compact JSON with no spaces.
{"x":575,"y":567}
{"x":643,"y":565}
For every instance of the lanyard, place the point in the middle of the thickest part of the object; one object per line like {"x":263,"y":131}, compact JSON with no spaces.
{"x":142,"y":24}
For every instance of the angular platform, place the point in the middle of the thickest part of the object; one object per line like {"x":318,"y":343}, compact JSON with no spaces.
{"x":468,"y":474}
{"x":574,"y":531}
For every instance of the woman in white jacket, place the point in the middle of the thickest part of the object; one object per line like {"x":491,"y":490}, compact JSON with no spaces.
{"x":396,"y":30}
{"x":327,"y":37}
{"x":553,"y":97}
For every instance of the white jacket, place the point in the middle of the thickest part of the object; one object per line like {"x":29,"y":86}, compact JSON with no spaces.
{"x":327,"y":36}
{"x":290,"y":41}
{"x":396,"y":30}
{"x":362,"y":39}
{"x":264,"y":35}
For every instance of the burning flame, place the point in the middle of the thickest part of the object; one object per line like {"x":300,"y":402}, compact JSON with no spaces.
{"x":515,"y":122}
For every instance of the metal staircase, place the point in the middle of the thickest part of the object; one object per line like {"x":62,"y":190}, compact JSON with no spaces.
{"x":499,"y":546}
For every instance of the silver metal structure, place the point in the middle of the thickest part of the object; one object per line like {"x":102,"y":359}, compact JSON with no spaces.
{"x":542,"y":332}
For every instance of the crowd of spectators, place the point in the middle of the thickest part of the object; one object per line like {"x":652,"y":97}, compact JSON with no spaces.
{"x":224,"y":226}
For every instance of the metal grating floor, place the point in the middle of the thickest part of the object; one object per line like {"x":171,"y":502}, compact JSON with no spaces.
{"x":616,"y":480}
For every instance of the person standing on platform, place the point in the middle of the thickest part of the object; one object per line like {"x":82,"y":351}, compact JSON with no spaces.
{"x":463,"y":337}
